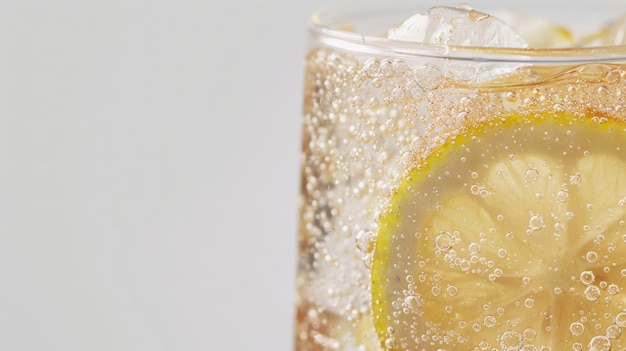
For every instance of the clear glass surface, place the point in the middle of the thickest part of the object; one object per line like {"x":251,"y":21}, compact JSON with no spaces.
{"x":461,"y":198}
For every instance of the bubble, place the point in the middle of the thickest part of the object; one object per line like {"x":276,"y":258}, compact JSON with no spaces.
{"x":389,"y":343}
{"x":529,"y":303}
{"x":614,"y":76}
{"x":463,"y":74}
{"x":510,"y":341}
{"x":400,"y":66}
{"x":529,"y":347}
{"x":612,"y":289}
{"x":593,"y":73}
{"x":535,"y":222}
{"x":591,"y":256}
{"x":613,"y":332}
{"x":577,"y":329}
{"x":600,"y":343}
{"x":563,"y":195}
{"x":474,"y":248}
{"x":450,"y":257}
{"x":465,"y":265}
{"x":530,"y":334}
{"x":489,"y":321}
{"x":386,"y":68}
{"x":592,"y":293}
{"x":531,"y":175}
{"x":365,"y":241}
{"x":587,"y":277}
{"x":475,"y":189}
{"x":416,"y":92}
{"x":510,"y":96}
{"x":476,"y":327}
{"x":502,"y":253}
{"x":443,"y":242}
{"x":577,"y":346}
{"x":373,"y":102}
{"x":356,"y":101}
{"x":436,"y":290}
{"x":452,"y":290}
{"x":371,"y":68}
{"x":620,"y":320}
{"x":429,"y":76}
{"x":575,"y":179}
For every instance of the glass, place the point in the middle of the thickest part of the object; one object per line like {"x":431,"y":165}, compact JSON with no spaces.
{"x":462,"y":198}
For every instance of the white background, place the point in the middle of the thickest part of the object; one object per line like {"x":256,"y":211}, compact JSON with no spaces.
{"x":149,"y":173}
{"x":149,"y":156}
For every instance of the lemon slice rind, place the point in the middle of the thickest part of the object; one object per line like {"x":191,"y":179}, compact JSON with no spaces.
{"x":487,"y":241}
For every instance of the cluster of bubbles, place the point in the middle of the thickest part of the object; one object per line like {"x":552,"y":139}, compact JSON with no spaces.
{"x":369,"y":120}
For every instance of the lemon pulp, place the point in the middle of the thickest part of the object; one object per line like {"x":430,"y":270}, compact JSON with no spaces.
{"x":512,"y":236}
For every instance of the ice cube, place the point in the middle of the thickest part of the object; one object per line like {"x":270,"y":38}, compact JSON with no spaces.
{"x":613,"y":34}
{"x":460,"y":26}
{"x":537,"y":32}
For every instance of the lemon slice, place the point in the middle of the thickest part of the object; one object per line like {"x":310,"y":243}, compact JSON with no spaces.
{"x":510,"y":237}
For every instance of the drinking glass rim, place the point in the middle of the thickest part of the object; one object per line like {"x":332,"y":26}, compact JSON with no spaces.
{"x":355,"y":42}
